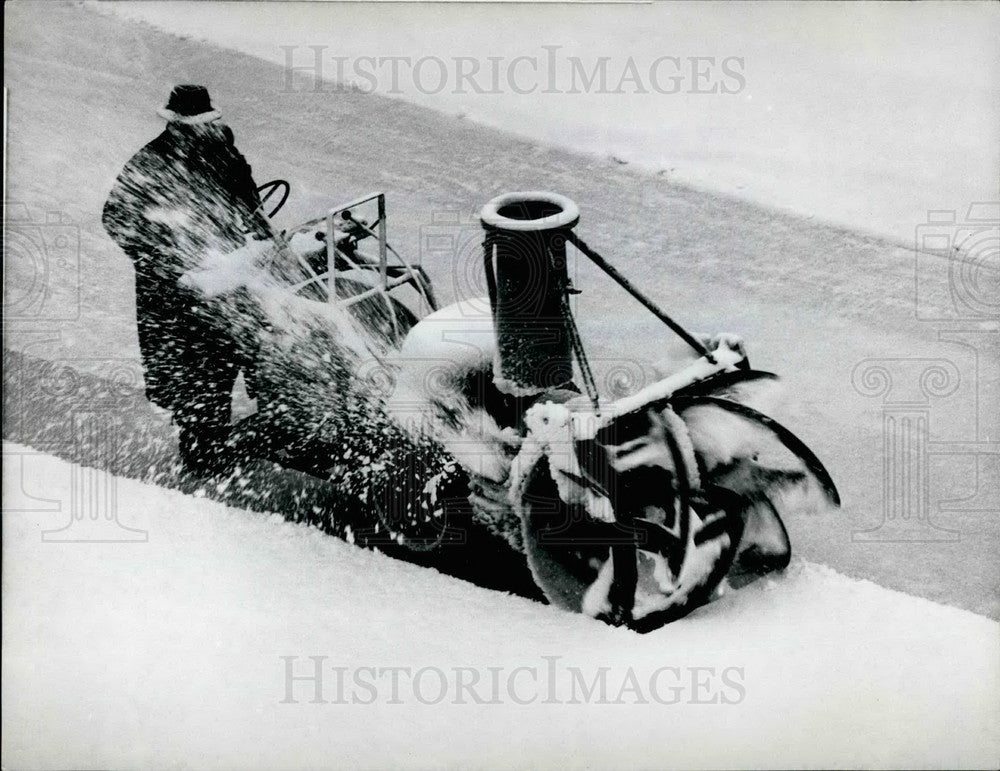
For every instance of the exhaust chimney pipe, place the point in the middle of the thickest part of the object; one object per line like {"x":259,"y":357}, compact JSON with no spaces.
{"x":525,"y":259}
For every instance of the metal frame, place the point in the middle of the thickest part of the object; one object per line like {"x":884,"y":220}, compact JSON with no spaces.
{"x":363,"y":263}
{"x":411,"y":276}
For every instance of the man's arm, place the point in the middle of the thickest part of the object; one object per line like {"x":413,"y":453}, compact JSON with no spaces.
{"x":244,"y":189}
{"x":126,"y":212}
{"x":119,"y":217}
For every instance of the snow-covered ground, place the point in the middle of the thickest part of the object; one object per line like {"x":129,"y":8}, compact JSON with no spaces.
{"x":167,"y":652}
{"x":175,"y":651}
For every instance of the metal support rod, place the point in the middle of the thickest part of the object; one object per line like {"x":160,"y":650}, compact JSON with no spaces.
{"x":383,"y":257}
{"x":625,"y":284}
{"x":364,"y":295}
{"x":331,"y":258}
{"x":419,"y":276}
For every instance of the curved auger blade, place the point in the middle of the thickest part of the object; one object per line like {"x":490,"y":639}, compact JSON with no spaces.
{"x":721,"y":380}
{"x":665,"y":572}
{"x":659,"y":548}
{"x":795,"y":445}
{"x":684,"y":492}
{"x":765,"y":546}
{"x":722,"y":524}
{"x":622,"y":593}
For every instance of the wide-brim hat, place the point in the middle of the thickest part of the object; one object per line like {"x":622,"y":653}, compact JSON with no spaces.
{"x":190,"y":105}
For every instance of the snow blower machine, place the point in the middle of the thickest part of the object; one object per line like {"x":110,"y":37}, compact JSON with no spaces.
{"x":479,"y":428}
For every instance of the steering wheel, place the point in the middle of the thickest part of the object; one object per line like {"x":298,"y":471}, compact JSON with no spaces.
{"x":268,"y":189}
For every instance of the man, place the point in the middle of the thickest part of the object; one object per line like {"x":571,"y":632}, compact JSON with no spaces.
{"x":187,"y":193}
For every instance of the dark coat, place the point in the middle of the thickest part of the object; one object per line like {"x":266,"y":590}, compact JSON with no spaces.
{"x":185,"y":193}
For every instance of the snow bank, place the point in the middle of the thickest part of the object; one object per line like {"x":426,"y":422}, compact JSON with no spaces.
{"x":174,"y":651}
